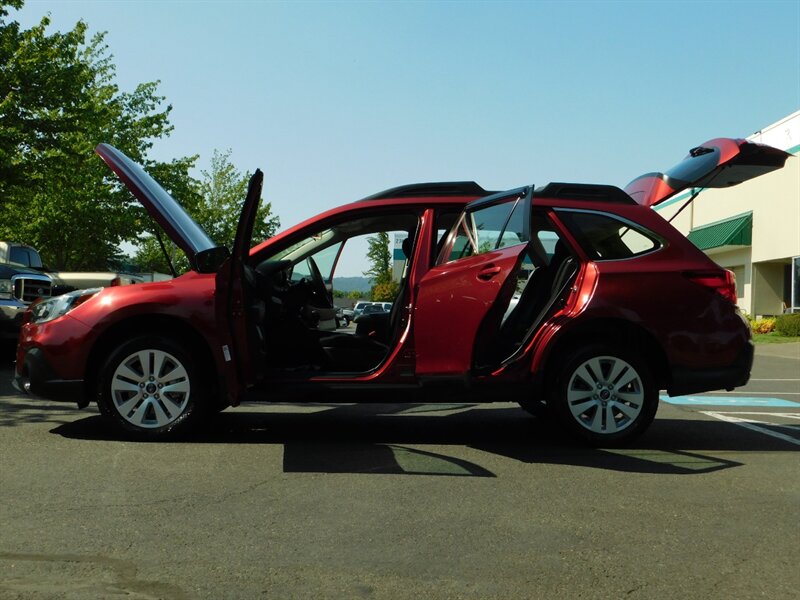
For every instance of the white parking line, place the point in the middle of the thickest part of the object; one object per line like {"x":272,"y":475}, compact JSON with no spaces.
{"x":751,"y":424}
{"x":749,"y":393}
{"x":773,"y":379}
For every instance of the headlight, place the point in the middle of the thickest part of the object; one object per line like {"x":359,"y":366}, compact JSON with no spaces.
{"x":6,"y":288}
{"x":53,"y":308}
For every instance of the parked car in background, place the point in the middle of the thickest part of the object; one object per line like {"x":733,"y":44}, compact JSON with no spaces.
{"x":359,"y":308}
{"x":374,"y":308}
{"x":342,"y":318}
{"x":348,"y":314}
{"x":620,"y":306}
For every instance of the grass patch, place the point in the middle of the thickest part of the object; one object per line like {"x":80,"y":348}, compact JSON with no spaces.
{"x":774,"y":338}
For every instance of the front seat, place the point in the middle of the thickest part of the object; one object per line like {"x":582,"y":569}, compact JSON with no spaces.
{"x":374,"y":333}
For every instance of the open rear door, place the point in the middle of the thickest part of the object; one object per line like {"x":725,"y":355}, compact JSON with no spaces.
{"x":718,"y":163}
{"x":483,"y":250}
{"x":233,"y":302}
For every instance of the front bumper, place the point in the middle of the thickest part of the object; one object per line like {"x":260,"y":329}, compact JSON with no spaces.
{"x":34,"y":375}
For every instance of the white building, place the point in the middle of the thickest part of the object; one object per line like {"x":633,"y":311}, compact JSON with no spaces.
{"x":753,"y":228}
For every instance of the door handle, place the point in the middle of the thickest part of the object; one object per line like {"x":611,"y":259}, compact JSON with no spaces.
{"x":488,"y":272}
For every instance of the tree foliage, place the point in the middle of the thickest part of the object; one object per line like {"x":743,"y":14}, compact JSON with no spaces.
{"x":58,"y":100}
{"x":223,"y":189}
{"x":384,"y":289}
{"x":214,"y":202}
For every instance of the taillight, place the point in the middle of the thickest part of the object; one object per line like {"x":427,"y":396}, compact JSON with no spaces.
{"x":116,"y":281}
{"x":722,"y":282}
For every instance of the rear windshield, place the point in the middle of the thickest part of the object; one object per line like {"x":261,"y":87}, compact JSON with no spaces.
{"x":604,"y":237}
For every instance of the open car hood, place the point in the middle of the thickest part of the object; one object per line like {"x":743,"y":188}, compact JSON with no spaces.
{"x":203,"y":253}
{"x":718,"y":163}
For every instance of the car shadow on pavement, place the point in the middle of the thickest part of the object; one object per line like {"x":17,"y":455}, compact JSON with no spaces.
{"x":378,"y":439}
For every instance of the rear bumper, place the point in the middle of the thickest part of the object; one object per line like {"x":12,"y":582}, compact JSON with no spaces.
{"x":693,"y":381}
{"x":35,"y":376}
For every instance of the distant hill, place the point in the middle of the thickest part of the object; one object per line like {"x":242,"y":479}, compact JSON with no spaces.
{"x":351,"y":284}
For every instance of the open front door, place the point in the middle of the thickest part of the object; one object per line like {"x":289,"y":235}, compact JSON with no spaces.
{"x":239,"y":333}
{"x":472,"y":276}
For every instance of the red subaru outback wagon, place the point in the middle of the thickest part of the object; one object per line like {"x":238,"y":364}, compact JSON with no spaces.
{"x":574,"y":299}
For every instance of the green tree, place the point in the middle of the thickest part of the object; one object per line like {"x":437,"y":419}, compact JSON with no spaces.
{"x":384,"y":289}
{"x":214,"y":202}
{"x":223,"y":189}
{"x":58,"y":100}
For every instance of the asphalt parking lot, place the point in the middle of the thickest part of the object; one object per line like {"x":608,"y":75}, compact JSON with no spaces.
{"x":408,"y":501}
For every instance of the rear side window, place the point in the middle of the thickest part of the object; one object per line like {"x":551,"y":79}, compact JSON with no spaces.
{"x":604,"y":237}
{"x":486,"y":229}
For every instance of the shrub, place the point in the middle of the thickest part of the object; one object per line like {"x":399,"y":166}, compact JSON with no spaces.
{"x":764,"y":325}
{"x":788,"y":325}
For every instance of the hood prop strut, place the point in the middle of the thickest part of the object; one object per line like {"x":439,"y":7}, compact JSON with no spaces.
{"x":166,"y":254}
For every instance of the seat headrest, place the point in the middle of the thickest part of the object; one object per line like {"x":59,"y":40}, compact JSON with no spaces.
{"x":406,"y":247}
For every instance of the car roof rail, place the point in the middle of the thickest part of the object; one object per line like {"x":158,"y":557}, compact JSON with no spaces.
{"x":421,"y":190}
{"x":583,"y":191}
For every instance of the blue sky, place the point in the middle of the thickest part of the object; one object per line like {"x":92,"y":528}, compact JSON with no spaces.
{"x":337,"y":100}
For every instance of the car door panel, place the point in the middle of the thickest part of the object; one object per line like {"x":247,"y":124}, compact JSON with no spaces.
{"x":240,"y":337}
{"x":452,"y":301}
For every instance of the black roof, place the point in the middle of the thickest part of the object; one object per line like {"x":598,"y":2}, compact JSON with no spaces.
{"x":442,"y":188}
{"x":583,"y":191}
{"x":560,"y":190}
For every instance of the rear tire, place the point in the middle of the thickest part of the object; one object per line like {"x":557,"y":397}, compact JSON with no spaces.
{"x":151,"y":388}
{"x":604,"y":395}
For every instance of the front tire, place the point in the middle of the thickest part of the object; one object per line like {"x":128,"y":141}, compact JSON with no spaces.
{"x":604,"y":395}
{"x":151,"y":388}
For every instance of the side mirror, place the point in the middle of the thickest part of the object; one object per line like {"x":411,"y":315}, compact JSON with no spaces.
{"x":209,"y":261}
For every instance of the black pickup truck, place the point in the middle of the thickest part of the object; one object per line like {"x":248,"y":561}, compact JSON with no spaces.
{"x":19,"y":286}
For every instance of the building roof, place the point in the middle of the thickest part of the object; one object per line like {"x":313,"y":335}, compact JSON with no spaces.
{"x":735,"y":231}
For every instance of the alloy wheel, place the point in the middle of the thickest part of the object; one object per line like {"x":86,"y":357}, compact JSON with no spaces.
{"x":150,"y":388}
{"x":605,"y":394}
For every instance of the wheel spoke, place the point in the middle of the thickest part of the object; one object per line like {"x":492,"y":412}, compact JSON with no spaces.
{"x":627,"y":378}
{"x":583,"y":374}
{"x":610,"y":422}
{"x":579,"y":396}
{"x":629,"y":411}
{"x":177,"y":387}
{"x":634,"y":398}
{"x":124,"y":371}
{"x":140,"y":414}
{"x":144,"y":361}
{"x":618,"y":367}
{"x":122,"y":385}
{"x":158,"y":363}
{"x":596,"y":424}
{"x":129,"y":404}
{"x":173,"y":405}
{"x":162,"y":418}
{"x":177,"y":373}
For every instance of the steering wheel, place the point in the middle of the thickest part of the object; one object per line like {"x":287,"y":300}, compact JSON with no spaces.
{"x":319,"y":293}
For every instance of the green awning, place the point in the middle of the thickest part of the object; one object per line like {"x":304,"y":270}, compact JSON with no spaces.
{"x":736,"y":231}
